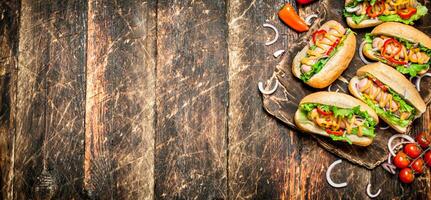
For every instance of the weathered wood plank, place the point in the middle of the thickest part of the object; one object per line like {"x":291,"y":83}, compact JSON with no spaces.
{"x":50,"y":100}
{"x":192,"y":98}
{"x":120,"y":99}
{"x":263,"y":154}
{"x":9,"y":22}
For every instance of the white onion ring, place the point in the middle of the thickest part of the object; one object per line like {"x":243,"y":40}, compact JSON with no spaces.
{"x":267,"y":25}
{"x":389,"y":167}
{"x":329,"y":89}
{"x":268,"y":92}
{"x":369,"y":192}
{"x":278,"y":53}
{"x":328,"y":176}
{"x":361,"y":54}
{"x":384,"y":128}
{"x":309,"y":18}
{"x":354,"y":9}
{"x":410,"y":139}
{"x":418,"y":81}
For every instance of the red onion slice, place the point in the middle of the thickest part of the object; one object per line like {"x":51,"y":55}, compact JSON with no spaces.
{"x":329,"y":89}
{"x":268,"y":92}
{"x":410,"y":139}
{"x":418,"y":80}
{"x":267,"y":25}
{"x":361,"y":54}
{"x":389,"y":167}
{"x":328,"y":176}
{"x":369,"y":192}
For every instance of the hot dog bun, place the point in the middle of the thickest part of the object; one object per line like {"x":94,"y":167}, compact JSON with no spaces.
{"x":407,"y":32}
{"x":394,"y":30}
{"x":394,"y":80}
{"x":334,"y":99}
{"x":334,"y":67}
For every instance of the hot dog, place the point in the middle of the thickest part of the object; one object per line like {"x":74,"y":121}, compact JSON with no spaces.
{"x":369,"y":13}
{"x":338,"y":116}
{"x":401,"y":46}
{"x":327,"y":55}
{"x":389,"y":93}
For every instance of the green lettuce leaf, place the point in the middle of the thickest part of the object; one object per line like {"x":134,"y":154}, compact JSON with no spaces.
{"x":414,"y":69}
{"x":365,"y":131}
{"x":388,"y":115}
{"x":341,"y":112}
{"x":404,"y":106}
{"x":421,"y":11}
{"x":340,"y":138}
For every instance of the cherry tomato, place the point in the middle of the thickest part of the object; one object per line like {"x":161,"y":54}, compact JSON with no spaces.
{"x":401,"y":160}
{"x":412,"y":150}
{"x":427,"y":158}
{"x":423,"y":140}
{"x":418,"y":166}
{"x":406,"y":175}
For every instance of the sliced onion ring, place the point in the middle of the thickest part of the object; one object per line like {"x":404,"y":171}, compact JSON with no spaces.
{"x":328,"y":176}
{"x":354,"y":9}
{"x":384,"y":127}
{"x":361,"y":54}
{"x":389,"y":167}
{"x":410,"y":139}
{"x":309,"y":18}
{"x":369,"y":192}
{"x":278,"y":53}
{"x":268,"y":92}
{"x":329,"y":89}
{"x":267,"y":25}
{"x":418,"y":81}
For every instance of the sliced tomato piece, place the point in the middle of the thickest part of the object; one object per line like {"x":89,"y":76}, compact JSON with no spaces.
{"x":337,"y":133}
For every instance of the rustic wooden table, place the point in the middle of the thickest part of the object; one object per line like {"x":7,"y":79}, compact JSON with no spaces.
{"x":146,"y":99}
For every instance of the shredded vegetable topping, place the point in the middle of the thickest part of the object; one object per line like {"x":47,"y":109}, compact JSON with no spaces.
{"x":324,"y":46}
{"x":385,"y":101}
{"x":339,"y":122}
{"x":404,"y":11}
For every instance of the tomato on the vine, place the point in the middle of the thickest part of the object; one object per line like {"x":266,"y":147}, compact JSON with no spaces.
{"x":401,"y":160}
{"x":406,"y":175}
{"x":418,"y":166}
{"x":427,"y":158}
{"x":423,"y":139}
{"x":412,"y":150}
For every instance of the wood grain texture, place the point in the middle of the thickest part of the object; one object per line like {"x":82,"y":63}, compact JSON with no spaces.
{"x":9,"y":23}
{"x":120,"y":99}
{"x":191,"y":102}
{"x":263,"y":154}
{"x":50,"y":98}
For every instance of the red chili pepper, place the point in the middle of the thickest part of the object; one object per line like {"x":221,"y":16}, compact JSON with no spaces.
{"x":318,"y":33}
{"x":337,"y":133}
{"x":397,"y":62}
{"x":385,"y":45}
{"x":289,"y":16}
{"x":333,"y":47}
{"x":407,"y":13}
{"x":322,"y":112}
{"x":376,"y":10}
{"x":303,"y":2}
